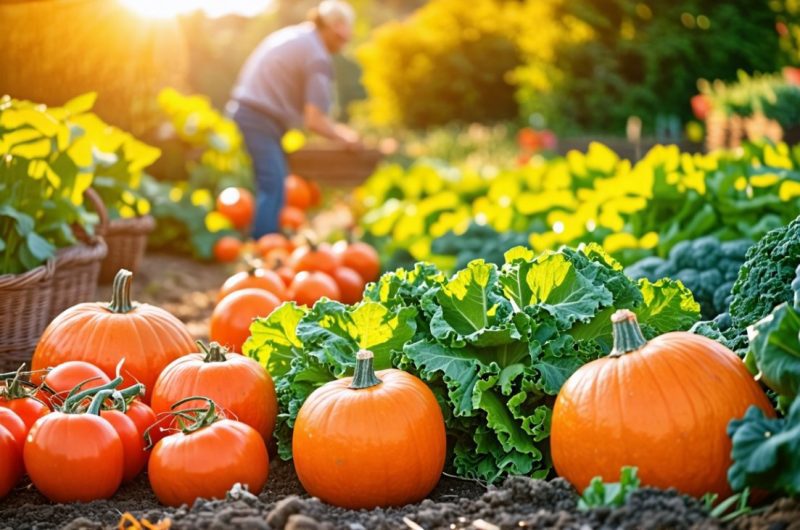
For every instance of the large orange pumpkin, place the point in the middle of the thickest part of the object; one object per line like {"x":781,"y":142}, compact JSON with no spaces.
{"x":147,"y":337}
{"x":370,"y":440}
{"x":237,"y":384}
{"x":661,"y":405}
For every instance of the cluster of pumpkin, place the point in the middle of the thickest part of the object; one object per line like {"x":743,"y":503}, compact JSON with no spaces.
{"x":238,"y":206}
{"x":126,"y":377}
{"x":303,"y":273}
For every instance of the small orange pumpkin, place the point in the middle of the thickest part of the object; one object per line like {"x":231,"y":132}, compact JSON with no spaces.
{"x":370,"y":440}
{"x":661,"y":405}
{"x":237,"y":384}
{"x":147,"y":337}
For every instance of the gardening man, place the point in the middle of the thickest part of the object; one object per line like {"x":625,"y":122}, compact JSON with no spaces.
{"x":286,"y":83}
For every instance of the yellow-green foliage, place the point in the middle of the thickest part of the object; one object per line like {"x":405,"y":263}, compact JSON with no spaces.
{"x":449,"y":61}
{"x":221,"y":159}
{"x":631,"y":210}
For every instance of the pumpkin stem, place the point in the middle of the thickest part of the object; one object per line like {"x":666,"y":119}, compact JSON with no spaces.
{"x":215,"y":352}
{"x":364,"y":376}
{"x":627,"y":333}
{"x":121,"y":293}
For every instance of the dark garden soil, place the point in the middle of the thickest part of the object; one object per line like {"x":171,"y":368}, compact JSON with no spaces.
{"x":188,"y":290}
{"x":455,"y":504}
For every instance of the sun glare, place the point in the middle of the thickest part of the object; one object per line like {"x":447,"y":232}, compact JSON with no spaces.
{"x":214,"y":8}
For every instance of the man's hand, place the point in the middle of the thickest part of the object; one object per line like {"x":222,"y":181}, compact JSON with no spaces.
{"x":316,"y":121}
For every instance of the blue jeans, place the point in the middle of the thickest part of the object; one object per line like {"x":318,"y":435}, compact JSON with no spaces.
{"x":262,"y":136}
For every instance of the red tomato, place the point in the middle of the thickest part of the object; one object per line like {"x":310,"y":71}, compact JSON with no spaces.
{"x":350,"y":283}
{"x":133,"y":451}
{"x":316,"y":193}
{"x":143,"y":416}
{"x":292,"y":218}
{"x":360,"y":257}
{"x":27,"y":408}
{"x":237,"y":205}
{"x":231,"y":319}
{"x":65,"y":467}
{"x":270,"y":242}
{"x":207,"y":463}
{"x":298,"y":193}
{"x":287,"y":276}
{"x":10,"y":462}
{"x":314,"y":258}
{"x":14,"y":424}
{"x":68,"y":375}
{"x":257,"y":278}
{"x":227,"y":249}
{"x":308,"y":287}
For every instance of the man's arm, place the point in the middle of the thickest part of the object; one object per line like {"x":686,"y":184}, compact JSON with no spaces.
{"x":318,"y":122}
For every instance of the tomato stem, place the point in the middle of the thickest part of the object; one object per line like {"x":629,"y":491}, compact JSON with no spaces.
{"x":98,"y":400}
{"x":627,"y":333}
{"x":121,"y":292}
{"x":76,"y":395}
{"x":364,"y":376}
{"x":215,"y":352}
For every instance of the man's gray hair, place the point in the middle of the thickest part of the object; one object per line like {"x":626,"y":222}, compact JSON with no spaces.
{"x":335,"y":12}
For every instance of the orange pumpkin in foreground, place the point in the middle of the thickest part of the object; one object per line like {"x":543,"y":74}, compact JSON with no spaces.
{"x":370,"y":440}
{"x":238,"y":385}
{"x":147,"y":337}
{"x":661,"y":405}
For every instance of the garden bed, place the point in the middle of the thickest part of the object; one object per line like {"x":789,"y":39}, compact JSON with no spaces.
{"x":518,"y":503}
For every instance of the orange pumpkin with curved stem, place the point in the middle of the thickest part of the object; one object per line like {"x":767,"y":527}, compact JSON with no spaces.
{"x":661,"y":405}
{"x":147,"y":337}
{"x":374,"y":439}
{"x":240,"y":386}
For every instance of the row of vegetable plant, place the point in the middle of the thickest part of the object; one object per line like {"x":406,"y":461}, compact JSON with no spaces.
{"x":436,"y":212}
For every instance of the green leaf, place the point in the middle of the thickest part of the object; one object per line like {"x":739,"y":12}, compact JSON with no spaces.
{"x":555,"y":370}
{"x":39,"y":247}
{"x":24,"y":222}
{"x":562,"y":291}
{"x":273,"y":340}
{"x":81,"y":104}
{"x":333,"y":332}
{"x":470,"y":309}
{"x":668,"y":306}
{"x":775,"y":345}
{"x":614,"y":494}
{"x":766,"y":451}
{"x":459,"y":366}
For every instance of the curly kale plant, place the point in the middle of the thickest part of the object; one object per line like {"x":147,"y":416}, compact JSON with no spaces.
{"x":707,"y":266}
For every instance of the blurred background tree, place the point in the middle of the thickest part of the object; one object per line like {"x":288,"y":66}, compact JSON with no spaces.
{"x":582,"y":66}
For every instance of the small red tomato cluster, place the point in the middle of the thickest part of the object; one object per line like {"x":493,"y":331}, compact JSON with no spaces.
{"x":238,"y":206}
{"x":303,"y":273}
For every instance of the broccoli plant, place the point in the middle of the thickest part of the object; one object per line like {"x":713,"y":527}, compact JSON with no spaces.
{"x":707,"y":266}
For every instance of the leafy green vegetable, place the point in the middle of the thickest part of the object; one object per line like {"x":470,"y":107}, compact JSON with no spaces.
{"x":764,"y":280}
{"x":766,"y":451}
{"x":494,"y":345}
{"x":613,"y":494}
{"x":707,"y":266}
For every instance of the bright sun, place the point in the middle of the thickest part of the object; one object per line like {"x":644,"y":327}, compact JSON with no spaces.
{"x":213,"y":8}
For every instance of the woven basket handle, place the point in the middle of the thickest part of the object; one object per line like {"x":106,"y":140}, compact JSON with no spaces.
{"x":93,"y":197}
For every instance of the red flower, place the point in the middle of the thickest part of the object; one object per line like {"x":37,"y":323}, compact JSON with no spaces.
{"x":792,"y":75}
{"x":701,"y":106}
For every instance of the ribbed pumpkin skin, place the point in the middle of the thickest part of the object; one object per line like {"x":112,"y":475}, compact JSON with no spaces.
{"x":147,"y":337}
{"x":378,"y":446}
{"x":239,"y":386}
{"x":663,"y":408}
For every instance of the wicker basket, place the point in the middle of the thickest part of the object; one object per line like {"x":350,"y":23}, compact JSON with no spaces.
{"x":24,"y":313}
{"x":77,"y":267}
{"x":126,"y":240}
{"x":333,"y":166}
